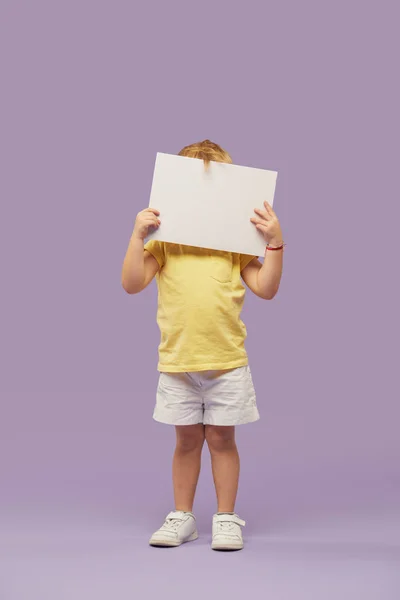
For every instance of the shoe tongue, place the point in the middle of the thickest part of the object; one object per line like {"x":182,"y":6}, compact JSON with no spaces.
{"x":176,"y":514}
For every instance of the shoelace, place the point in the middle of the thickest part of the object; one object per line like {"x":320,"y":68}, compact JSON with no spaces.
{"x":172,"y":524}
{"x":225,"y":525}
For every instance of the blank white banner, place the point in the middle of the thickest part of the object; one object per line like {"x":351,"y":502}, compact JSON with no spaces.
{"x":210,"y":209}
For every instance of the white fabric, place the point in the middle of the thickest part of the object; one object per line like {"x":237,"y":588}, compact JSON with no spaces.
{"x":225,"y":397}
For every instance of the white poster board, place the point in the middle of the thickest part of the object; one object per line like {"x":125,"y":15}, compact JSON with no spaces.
{"x":210,"y":209}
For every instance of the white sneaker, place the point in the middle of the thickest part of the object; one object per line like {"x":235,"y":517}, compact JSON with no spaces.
{"x":179,"y":527}
{"x":226,"y":532}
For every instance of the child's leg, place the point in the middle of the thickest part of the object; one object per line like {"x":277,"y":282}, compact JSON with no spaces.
{"x":225,"y":464}
{"x":186,"y":464}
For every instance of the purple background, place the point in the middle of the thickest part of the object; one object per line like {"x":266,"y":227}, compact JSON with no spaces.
{"x":90,"y":91}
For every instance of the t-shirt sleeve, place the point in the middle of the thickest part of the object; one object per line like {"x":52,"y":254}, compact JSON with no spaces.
{"x":157,"y":249}
{"x":245,"y":259}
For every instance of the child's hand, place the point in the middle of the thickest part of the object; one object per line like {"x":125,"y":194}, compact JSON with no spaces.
{"x":144,"y":220}
{"x":267,"y":222}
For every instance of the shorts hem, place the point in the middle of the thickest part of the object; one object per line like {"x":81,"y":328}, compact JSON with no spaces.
{"x":232,"y":422}
{"x":217,"y":422}
{"x":174,"y":421}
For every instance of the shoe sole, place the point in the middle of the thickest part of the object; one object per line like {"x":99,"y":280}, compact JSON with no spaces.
{"x":226,"y":547}
{"x":171,"y":544}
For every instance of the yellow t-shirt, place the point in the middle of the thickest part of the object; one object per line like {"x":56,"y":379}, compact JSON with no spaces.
{"x":200,"y":298}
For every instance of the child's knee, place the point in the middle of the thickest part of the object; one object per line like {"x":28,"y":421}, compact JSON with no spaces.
{"x":189,"y":438}
{"x":220,"y":438}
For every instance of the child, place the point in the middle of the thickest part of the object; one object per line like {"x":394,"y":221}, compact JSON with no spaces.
{"x":205,"y":386}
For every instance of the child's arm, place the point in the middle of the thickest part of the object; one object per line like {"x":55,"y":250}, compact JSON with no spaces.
{"x":264,"y":278}
{"x":139,"y":266}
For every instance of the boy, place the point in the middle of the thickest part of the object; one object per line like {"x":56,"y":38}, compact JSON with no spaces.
{"x":205,"y":386}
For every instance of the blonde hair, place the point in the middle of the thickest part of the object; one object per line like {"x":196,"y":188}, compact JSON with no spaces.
{"x":207,"y":151}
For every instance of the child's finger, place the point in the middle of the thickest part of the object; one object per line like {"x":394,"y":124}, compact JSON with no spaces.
{"x":154,"y":221}
{"x":262,"y":213}
{"x":258,"y":220}
{"x":268,"y":207}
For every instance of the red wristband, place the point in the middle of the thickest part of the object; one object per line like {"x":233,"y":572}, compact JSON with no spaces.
{"x":275,"y":247}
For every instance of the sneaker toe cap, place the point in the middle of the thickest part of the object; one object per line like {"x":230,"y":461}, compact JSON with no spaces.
{"x":164,"y":535}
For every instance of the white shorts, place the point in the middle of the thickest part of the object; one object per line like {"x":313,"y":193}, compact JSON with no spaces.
{"x":225,"y":397}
